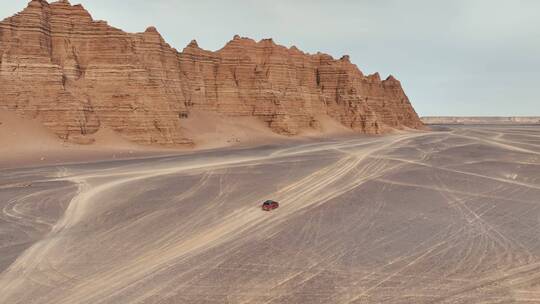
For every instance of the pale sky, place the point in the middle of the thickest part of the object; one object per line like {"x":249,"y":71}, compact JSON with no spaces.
{"x":458,"y":57}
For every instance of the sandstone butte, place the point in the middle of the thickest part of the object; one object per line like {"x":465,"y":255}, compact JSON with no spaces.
{"x":77,"y":75}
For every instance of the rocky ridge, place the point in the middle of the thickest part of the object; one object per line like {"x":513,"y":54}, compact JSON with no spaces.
{"x":77,"y":75}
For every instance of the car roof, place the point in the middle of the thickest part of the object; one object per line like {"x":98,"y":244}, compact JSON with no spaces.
{"x":269,"y":202}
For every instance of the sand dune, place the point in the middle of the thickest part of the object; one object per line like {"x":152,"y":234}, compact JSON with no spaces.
{"x":434,"y":217}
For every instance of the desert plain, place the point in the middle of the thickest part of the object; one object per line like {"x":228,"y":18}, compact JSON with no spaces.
{"x":447,"y":216}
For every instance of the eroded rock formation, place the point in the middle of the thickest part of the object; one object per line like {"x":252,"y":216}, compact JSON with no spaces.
{"x":77,"y":75}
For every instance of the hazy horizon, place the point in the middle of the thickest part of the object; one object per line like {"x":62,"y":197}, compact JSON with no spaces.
{"x":459,"y":58}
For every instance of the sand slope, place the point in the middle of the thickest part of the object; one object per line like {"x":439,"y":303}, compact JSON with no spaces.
{"x":26,"y":142}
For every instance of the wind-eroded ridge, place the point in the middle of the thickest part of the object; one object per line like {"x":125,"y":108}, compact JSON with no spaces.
{"x":432,"y":217}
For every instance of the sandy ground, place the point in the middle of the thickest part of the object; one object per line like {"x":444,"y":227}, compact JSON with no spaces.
{"x":25,"y":142}
{"x":450,"y":216}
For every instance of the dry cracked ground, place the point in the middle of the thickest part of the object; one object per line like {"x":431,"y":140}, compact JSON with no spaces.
{"x":451,"y":216}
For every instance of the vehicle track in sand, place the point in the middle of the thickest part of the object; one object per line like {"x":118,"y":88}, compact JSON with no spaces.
{"x":367,"y":220}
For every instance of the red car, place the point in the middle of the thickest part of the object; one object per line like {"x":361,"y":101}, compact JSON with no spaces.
{"x":270,"y":205}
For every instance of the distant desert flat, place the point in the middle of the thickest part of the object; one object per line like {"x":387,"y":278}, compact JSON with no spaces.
{"x":481,"y":120}
{"x":427,"y":217}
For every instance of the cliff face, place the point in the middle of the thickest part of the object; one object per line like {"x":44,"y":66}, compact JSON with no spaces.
{"x":77,"y":75}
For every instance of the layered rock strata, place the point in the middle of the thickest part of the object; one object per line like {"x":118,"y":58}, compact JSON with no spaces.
{"x":78,"y":75}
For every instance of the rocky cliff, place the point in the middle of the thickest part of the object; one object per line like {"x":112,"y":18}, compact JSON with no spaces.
{"x":77,"y":75}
